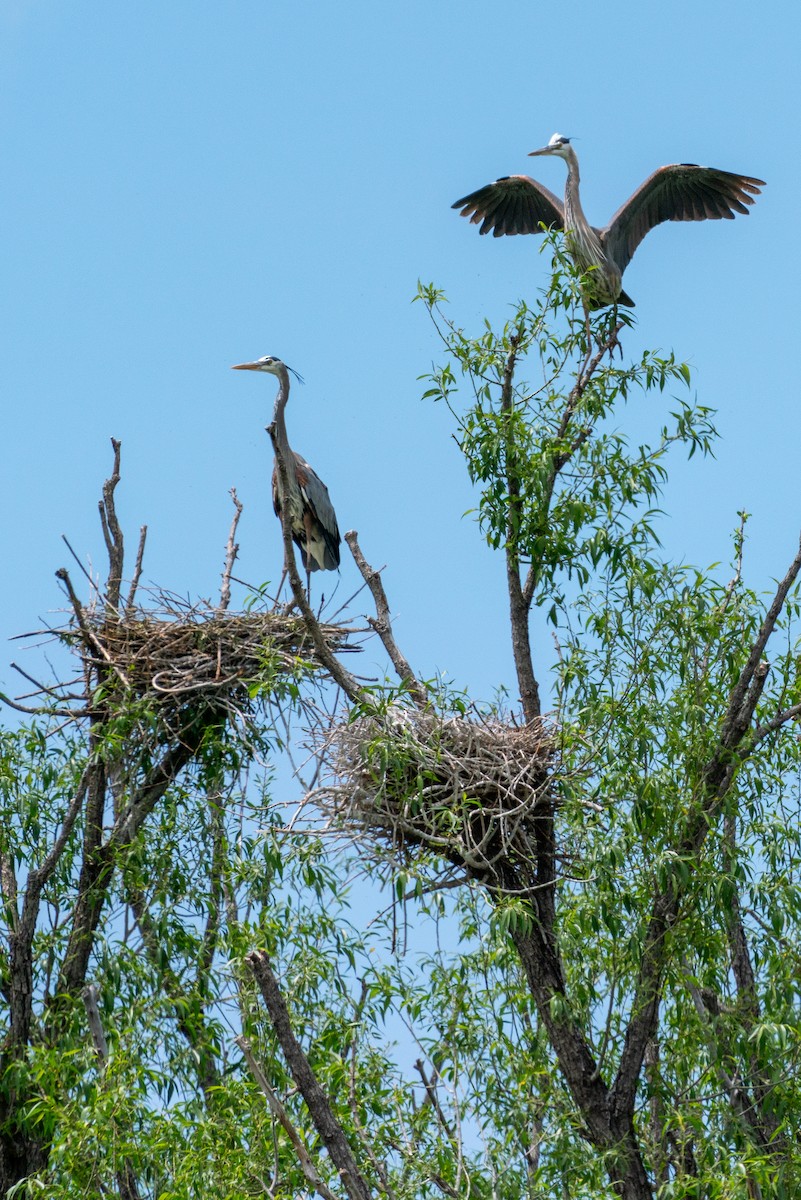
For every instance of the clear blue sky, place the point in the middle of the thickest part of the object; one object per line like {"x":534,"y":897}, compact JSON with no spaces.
{"x":191,"y":184}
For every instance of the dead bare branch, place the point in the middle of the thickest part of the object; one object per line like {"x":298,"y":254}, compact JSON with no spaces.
{"x":231,"y":551}
{"x":382,"y":623}
{"x":326,"y":1124}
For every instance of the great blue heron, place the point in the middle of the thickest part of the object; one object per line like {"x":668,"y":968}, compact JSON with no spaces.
{"x":679,"y":192}
{"x":311,"y":514}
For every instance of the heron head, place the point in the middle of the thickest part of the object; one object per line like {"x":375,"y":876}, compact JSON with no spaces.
{"x":269,"y":363}
{"x":558,"y":145}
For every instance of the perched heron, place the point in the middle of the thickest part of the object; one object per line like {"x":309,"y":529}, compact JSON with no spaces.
{"x":679,"y":192}
{"x":312,"y":519}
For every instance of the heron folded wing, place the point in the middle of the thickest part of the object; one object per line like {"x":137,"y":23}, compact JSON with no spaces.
{"x":678,"y":192}
{"x":513,"y":204}
{"x":326,"y":541}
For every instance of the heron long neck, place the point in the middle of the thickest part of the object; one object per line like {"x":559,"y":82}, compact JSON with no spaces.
{"x":574,"y":213}
{"x":278,"y":414}
{"x":280,"y":429}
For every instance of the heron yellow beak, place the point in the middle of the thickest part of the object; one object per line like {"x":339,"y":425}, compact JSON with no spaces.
{"x":245,"y":367}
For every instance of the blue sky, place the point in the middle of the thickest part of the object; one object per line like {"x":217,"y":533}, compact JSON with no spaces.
{"x":190,"y":185}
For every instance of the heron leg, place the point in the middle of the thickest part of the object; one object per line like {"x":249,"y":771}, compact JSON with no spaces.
{"x":587,"y":328}
{"x":614,"y":340}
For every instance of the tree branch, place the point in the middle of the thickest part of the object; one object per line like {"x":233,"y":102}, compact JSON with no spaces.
{"x":192,"y":1027}
{"x":137,"y":575}
{"x":518,"y":605}
{"x":112,"y":534}
{"x":126,"y":1180}
{"x":383,"y":625}
{"x":300,"y":1069}
{"x":280,"y":1113}
{"x":231,"y":551}
{"x":717,"y":777}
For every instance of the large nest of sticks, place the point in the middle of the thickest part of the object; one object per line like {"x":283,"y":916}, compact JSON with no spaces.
{"x":180,"y":655}
{"x":470,"y":789}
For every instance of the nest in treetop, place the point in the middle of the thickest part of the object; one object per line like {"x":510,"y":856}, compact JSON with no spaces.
{"x":469,"y":789}
{"x":183,"y":654}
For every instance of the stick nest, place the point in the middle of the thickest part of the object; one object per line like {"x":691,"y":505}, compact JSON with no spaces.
{"x":201,"y":653}
{"x":469,"y":789}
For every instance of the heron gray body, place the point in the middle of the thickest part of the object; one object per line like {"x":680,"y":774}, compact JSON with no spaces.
{"x":312,"y":519}
{"x":678,"y":192}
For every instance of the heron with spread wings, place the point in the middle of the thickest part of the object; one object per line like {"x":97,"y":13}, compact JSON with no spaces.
{"x":312,"y":519}
{"x":678,"y":192}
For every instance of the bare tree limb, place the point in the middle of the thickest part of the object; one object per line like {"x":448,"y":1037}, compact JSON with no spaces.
{"x":280,"y":1113}
{"x":112,"y":534}
{"x":89,"y":995}
{"x":382,"y":624}
{"x":231,"y":551}
{"x":518,"y":605}
{"x":432,"y":1098}
{"x":361,"y":1132}
{"x":300,"y":1069}
{"x":89,"y":634}
{"x":137,"y":575}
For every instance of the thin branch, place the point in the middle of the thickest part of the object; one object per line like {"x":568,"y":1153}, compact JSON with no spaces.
{"x":112,"y":534}
{"x":280,"y":1113}
{"x":739,"y":698}
{"x":762,"y":731}
{"x":78,"y":562}
{"x":738,"y":1098}
{"x":192,"y":1027}
{"x":764,"y":1122}
{"x":433,"y":1099}
{"x":231,"y":551}
{"x":126,"y":1181}
{"x":42,"y":710}
{"x":658,"y":1134}
{"x":562,"y":458}
{"x":382,"y":623}
{"x":89,"y":634}
{"x":40,"y":687}
{"x":377,"y":1165}
{"x":137,"y":575}
{"x":89,"y":996}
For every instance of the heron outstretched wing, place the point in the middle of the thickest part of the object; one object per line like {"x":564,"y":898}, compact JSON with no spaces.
{"x":678,"y":192}
{"x":512,"y":204}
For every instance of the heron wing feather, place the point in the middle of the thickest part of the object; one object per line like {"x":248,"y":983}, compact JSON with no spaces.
{"x":511,"y":205}
{"x":324,"y":519}
{"x":678,"y":192}
{"x":311,"y":498}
